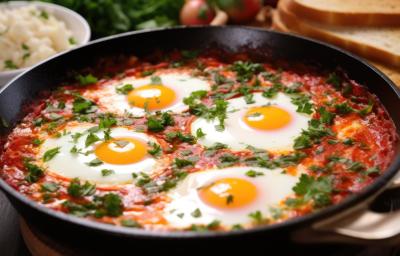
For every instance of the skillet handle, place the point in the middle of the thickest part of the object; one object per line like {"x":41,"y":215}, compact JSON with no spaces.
{"x":361,"y":225}
{"x":396,"y":181}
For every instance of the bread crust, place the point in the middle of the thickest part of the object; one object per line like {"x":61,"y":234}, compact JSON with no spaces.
{"x":296,"y":24}
{"x":338,"y":18}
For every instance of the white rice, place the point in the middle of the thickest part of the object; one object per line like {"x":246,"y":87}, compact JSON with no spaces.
{"x":29,"y":35}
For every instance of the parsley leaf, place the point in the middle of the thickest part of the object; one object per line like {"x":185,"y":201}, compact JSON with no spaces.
{"x":124,"y":89}
{"x":86,"y":80}
{"x":49,"y":187}
{"x":95,"y":162}
{"x":34,"y":172}
{"x":50,"y":154}
{"x":158,"y":124}
{"x":246,"y":70}
{"x":83,"y":106}
{"x":316,"y":189}
{"x":90,"y":139}
{"x":107,"y":172}
{"x":253,"y":173}
{"x":76,"y":189}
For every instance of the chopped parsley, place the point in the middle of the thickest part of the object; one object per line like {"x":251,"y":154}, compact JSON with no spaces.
{"x":316,"y":189}
{"x":303,"y":103}
{"x":49,"y":187}
{"x":87,"y":79}
{"x":77,"y":189}
{"x":156,"y":80}
{"x":245,"y":70}
{"x":130,"y":223}
{"x":83,"y":106}
{"x":155,"y":149}
{"x":334,"y":80}
{"x":229,"y":199}
{"x":91,"y":139}
{"x":50,"y":154}
{"x":107,"y":172}
{"x":108,"y":205}
{"x":95,"y":162}
{"x":200,"y":133}
{"x":158,"y":123}
{"x":253,"y":173}
{"x":196,"y":213}
{"x":124,"y":89}
{"x":34,"y":172}
{"x":9,"y":64}
{"x":256,"y":216}
{"x":72,"y":40}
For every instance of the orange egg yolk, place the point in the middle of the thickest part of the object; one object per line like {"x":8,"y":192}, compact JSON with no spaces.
{"x":152,"y":97}
{"x":267,"y":118}
{"x":228,"y":193}
{"x":121,"y":151}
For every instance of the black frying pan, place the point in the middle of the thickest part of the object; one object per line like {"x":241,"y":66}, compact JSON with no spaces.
{"x":275,"y":45}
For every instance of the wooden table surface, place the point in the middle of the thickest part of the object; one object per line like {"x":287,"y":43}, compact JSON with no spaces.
{"x":11,"y":242}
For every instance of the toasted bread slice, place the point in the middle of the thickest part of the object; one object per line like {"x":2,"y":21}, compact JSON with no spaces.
{"x":348,"y":12}
{"x":379,"y":44}
{"x":392,"y":73}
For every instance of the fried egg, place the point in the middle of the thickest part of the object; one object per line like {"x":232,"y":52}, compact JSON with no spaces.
{"x":270,"y":124}
{"x":166,"y":93}
{"x":227,"y":195}
{"x":103,"y":162}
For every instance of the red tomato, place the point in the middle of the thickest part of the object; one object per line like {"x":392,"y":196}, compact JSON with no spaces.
{"x":240,"y":11}
{"x":196,"y":12}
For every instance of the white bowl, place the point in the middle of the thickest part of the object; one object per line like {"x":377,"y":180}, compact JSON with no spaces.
{"x":76,"y":23}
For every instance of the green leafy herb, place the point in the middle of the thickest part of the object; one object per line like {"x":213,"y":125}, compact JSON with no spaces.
{"x":124,"y":89}
{"x":181,"y":163}
{"x":95,"y":162}
{"x":303,"y":103}
{"x":107,"y":172}
{"x":156,"y":80}
{"x":34,"y":172}
{"x":130,"y":223}
{"x":155,"y":149}
{"x":109,"y":205}
{"x":343,"y":108}
{"x":77,"y":189}
{"x":50,"y":154}
{"x":229,"y":199}
{"x":196,"y":213}
{"x":37,"y":142}
{"x":9,"y":64}
{"x":158,"y":124}
{"x":83,"y":106}
{"x":316,"y":189}
{"x":253,"y":173}
{"x":72,"y":40}
{"x":326,"y":116}
{"x":334,"y":80}
{"x":256,"y":216}
{"x":246,"y":70}
{"x":43,"y":14}
{"x":90,"y":139}
{"x":87,"y":79}
{"x":49,"y":187}
{"x":200,"y":133}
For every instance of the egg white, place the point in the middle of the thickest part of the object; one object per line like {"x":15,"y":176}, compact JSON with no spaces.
{"x":273,"y":187}
{"x":182,"y":84}
{"x":238,"y":135}
{"x":71,"y":165}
